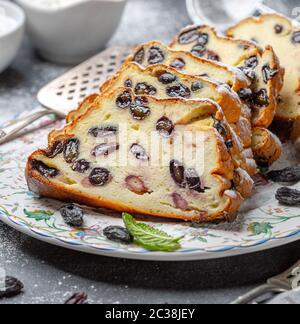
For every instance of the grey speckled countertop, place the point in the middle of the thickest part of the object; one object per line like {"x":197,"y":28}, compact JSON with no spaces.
{"x":50,"y":274}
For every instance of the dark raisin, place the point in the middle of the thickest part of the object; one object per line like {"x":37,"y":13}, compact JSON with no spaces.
{"x":139,"y":152}
{"x":260,"y":98}
{"x":155,"y":55}
{"x":165,"y":126}
{"x":268,"y":73}
{"x":178,"y":64}
{"x":71,"y":149}
{"x":197,"y":86}
{"x":145,"y":89}
{"x":296,"y":37}
{"x":177,"y":173}
{"x":139,"y":56}
{"x":56,"y":149}
{"x":213,"y":56}
{"x":77,"y":299}
{"x":198,"y":50}
{"x":99,"y":177}
{"x":220,"y":128}
{"x":260,"y":179}
{"x":128,"y":83}
{"x":139,"y":112}
{"x":193,"y":181}
{"x":229,"y":144}
{"x":136,"y":185}
{"x":204,"y":75}
{"x":167,"y":78}
{"x":104,"y":131}
{"x":13,"y":287}
{"x":81,"y":166}
{"x":124,"y":100}
{"x":141,"y":101}
{"x":245,"y":94}
{"x":105,"y":149}
{"x":251,"y":74}
{"x":203,"y":39}
{"x":251,"y":62}
{"x":288,"y":196}
{"x":118,"y":234}
{"x":188,"y":36}
{"x":179,"y":90}
{"x":43,"y":169}
{"x":72,"y":215}
{"x":290,"y":174}
{"x":278,"y":29}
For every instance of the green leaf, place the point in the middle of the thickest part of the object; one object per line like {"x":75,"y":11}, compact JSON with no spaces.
{"x":39,"y":215}
{"x":260,"y":228}
{"x":150,"y":238}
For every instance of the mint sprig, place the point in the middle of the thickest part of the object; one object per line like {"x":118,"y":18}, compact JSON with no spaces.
{"x":150,"y":238}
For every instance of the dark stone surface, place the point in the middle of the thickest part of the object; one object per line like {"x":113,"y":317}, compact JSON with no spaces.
{"x":51,"y":274}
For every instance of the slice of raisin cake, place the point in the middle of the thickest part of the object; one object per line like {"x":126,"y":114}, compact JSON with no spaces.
{"x":277,"y":31}
{"x":163,"y":82}
{"x":165,"y":158}
{"x":156,"y":53}
{"x":262,"y":67}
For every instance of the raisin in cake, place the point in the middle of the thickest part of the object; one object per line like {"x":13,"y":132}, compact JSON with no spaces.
{"x":277,"y":31}
{"x":92,"y":162}
{"x":163,"y":82}
{"x":262,"y":67}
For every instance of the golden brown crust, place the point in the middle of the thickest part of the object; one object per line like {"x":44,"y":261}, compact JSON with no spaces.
{"x":223,"y":172}
{"x":266,"y":146}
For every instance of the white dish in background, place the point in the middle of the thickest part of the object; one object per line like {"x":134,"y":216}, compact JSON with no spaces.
{"x":70,"y":32}
{"x":12,"y":22}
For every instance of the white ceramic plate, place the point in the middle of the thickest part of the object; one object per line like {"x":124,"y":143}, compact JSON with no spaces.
{"x":262,"y":224}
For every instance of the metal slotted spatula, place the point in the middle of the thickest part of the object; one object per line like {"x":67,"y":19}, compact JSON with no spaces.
{"x":65,"y":93}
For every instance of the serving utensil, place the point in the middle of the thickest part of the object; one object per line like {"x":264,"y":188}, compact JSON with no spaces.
{"x":287,"y":281}
{"x":65,"y":93}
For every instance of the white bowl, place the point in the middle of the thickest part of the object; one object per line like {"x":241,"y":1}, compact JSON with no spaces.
{"x":75,"y":32}
{"x":10,"y":42}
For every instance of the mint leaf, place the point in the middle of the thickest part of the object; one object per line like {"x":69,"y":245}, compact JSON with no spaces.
{"x":39,"y":215}
{"x":150,"y":238}
{"x":260,"y":228}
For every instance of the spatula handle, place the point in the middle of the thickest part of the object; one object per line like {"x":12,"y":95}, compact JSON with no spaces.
{"x":9,"y":132}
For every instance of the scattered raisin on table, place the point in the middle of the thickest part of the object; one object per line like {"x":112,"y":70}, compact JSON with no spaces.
{"x":13,"y":287}
{"x":43,"y":169}
{"x":290,"y":174}
{"x":118,"y":234}
{"x":77,"y":299}
{"x":288,"y":196}
{"x":72,"y":215}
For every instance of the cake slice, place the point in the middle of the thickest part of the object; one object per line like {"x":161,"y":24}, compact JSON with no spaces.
{"x":163,"y":82}
{"x":155,"y":52}
{"x":261,"y":66}
{"x":165,"y":158}
{"x":278,"y":31}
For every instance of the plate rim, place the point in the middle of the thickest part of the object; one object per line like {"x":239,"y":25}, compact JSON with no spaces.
{"x":179,"y":256}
